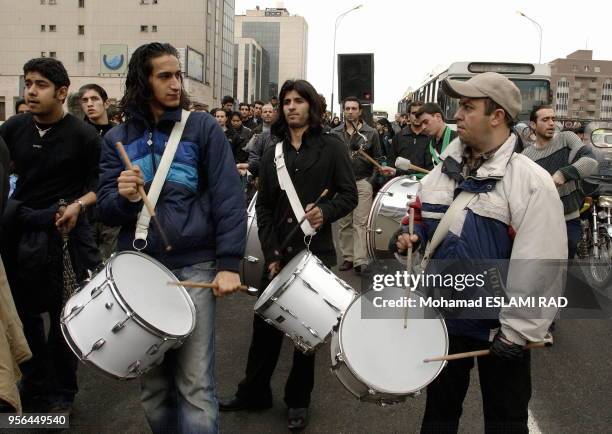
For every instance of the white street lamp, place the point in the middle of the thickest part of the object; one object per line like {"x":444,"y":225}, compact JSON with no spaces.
{"x":539,"y":31}
{"x":337,"y":23}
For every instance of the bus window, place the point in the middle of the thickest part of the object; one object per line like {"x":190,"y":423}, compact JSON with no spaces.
{"x":533,"y":92}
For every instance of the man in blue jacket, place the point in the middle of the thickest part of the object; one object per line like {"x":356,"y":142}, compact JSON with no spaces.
{"x":201,"y":207}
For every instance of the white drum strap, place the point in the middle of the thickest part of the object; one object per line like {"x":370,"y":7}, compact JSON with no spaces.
{"x":285,"y":184}
{"x":144,"y":218}
{"x":458,"y":204}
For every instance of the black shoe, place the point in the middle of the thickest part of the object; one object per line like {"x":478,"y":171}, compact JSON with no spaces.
{"x":63,"y":407}
{"x":345,"y":266}
{"x":363,"y":270}
{"x":297,"y":418}
{"x":234,"y":403}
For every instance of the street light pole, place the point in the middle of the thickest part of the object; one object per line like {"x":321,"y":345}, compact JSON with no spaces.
{"x":336,"y":24}
{"x":539,"y":31}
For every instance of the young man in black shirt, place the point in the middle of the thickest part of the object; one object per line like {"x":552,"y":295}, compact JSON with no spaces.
{"x":94,"y":102}
{"x":55,"y":156}
{"x":315,"y":161}
{"x":440,"y":135}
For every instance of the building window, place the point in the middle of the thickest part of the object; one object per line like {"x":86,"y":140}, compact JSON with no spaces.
{"x":574,"y":68}
{"x":52,"y":2}
{"x":81,"y":3}
{"x":52,"y":54}
{"x":43,"y":28}
{"x":81,"y":29}
{"x":2,"y":109}
{"x":144,"y":29}
{"x":81,"y":56}
{"x":586,"y":68}
{"x":154,"y":28}
{"x":42,"y":2}
{"x":154,"y":2}
{"x":52,"y":27}
{"x":597,"y":69}
{"x":43,"y":54}
{"x":144,"y":2}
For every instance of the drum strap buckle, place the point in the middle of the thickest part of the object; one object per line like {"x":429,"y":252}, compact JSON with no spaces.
{"x":307,"y":241}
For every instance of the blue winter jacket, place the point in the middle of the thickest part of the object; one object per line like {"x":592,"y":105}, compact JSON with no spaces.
{"x":201,"y":206}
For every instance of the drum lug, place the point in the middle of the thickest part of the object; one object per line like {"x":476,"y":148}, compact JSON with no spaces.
{"x":307,"y":285}
{"x":117,"y":327}
{"x":251,"y":259}
{"x":331,"y":305}
{"x":73,"y":312}
{"x":312,"y":331}
{"x":109,"y":305}
{"x":96,"y":291}
{"x":95,"y":347}
{"x":302,"y":346}
{"x":417,"y":393}
{"x":134,"y":368}
{"x":284,"y":309}
{"x":153,"y":350}
{"x":339,"y":358}
{"x":371,"y":392}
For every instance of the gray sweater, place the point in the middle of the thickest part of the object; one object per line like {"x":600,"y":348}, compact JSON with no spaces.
{"x":567,"y":154}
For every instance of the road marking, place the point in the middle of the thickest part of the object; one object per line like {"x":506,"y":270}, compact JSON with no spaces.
{"x":532,"y":423}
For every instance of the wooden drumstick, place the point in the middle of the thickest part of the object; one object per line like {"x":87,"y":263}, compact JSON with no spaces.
{"x":479,"y":353}
{"x":191,"y":284}
{"x":143,"y":196}
{"x":409,"y":256}
{"x":370,"y":159}
{"x":418,"y":169}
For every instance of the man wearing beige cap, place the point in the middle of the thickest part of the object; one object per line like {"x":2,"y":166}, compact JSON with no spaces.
{"x":504,"y":207}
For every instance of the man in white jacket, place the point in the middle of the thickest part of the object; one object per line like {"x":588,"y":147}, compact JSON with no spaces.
{"x":513,"y":213}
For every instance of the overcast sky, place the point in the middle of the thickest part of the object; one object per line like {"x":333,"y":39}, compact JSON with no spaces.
{"x":409,"y":39}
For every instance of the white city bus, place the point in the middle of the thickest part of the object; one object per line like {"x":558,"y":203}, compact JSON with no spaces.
{"x":532,"y":79}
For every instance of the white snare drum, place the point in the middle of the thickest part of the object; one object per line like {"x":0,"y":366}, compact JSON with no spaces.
{"x":127,"y":316}
{"x":378,"y":360}
{"x":252,"y":265}
{"x":305,"y":301}
{"x":388,"y":209}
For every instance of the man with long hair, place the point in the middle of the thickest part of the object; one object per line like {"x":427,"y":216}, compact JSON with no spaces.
{"x":203,"y":208}
{"x":315,"y":162}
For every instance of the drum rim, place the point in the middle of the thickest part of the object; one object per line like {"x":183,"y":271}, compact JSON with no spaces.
{"x":376,"y":205}
{"x":283,"y":288}
{"x":128,"y":309}
{"x":352,"y":370}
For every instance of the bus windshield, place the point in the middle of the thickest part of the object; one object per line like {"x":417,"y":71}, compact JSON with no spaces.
{"x":533,"y":92}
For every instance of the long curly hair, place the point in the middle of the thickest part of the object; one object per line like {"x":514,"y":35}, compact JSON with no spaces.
{"x":138,"y":93}
{"x":280,"y":128}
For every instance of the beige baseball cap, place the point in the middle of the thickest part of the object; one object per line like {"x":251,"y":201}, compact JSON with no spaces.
{"x":487,"y":85}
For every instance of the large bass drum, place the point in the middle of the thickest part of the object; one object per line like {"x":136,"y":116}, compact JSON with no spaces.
{"x":251,"y":268}
{"x":388,"y":209}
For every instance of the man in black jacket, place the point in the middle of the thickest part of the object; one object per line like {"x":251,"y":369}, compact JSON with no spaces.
{"x":410,"y":143}
{"x":315,"y":162}
{"x":56,"y":159}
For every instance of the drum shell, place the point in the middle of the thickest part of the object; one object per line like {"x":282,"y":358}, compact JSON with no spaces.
{"x":307,"y":304}
{"x":128,"y":351}
{"x":388,"y":209}
{"x":252,"y":265}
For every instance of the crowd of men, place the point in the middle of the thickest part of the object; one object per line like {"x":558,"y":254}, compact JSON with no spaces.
{"x":72,"y":200}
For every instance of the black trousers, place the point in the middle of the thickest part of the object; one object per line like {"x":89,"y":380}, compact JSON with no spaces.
{"x":505,"y":387}
{"x":266,"y":344}
{"x":51,"y":374}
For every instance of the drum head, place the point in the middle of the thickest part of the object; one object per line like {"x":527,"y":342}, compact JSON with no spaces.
{"x":143,"y":285}
{"x":282,"y":278}
{"x":388,"y":357}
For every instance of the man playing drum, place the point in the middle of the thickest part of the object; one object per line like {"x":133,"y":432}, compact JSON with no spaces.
{"x":512,"y":211}
{"x":315,"y":162}
{"x":201,"y":207}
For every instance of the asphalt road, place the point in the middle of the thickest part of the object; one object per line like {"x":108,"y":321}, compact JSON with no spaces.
{"x":572,"y":384}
